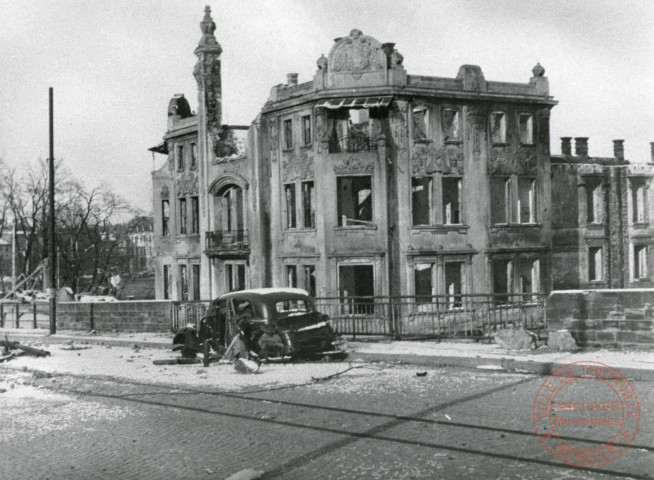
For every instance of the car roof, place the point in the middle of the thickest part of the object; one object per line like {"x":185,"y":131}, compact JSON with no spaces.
{"x":266,"y":293}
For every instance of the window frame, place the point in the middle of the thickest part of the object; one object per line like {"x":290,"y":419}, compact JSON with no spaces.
{"x":183,"y":216}
{"x":290,"y":211}
{"x":595,"y":206}
{"x":640,"y":269}
{"x":591,"y":252}
{"x":307,"y":138}
{"x":179,"y":157}
{"x":444,"y":131}
{"x":287,"y":134}
{"x":339,"y":205}
{"x":426,"y":123}
{"x":194,"y":156}
{"x":638,"y":200}
{"x":195,"y":215}
{"x":503,"y":140}
{"x":530,"y":124}
{"x":310,"y":212}
{"x":165,"y":217}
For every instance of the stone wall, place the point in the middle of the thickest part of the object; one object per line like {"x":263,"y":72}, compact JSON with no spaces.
{"x":138,"y":316}
{"x":612,"y":317}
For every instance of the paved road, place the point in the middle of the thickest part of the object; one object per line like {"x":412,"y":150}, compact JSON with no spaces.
{"x":375,"y":421}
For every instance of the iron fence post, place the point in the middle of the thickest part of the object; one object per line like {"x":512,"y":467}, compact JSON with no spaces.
{"x":17,"y":313}
{"x":34,"y":325}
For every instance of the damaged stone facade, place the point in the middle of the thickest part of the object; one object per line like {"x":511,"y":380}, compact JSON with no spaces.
{"x":366,"y":181}
{"x":602,"y":221}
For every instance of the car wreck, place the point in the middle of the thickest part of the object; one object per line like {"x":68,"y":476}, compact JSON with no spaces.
{"x":265,"y":324}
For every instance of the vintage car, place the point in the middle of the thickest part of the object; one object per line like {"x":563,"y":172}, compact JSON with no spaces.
{"x":272,"y":323}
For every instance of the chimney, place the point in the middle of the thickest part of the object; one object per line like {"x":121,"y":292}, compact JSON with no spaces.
{"x":581,"y":146}
{"x":566,"y":146}
{"x":618,"y":149}
{"x":291,"y":79}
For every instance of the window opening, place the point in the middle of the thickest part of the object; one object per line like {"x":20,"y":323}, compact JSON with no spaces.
{"x":288,"y":134}
{"x":454,"y":283}
{"x":308,"y":204}
{"x":306,"y":130}
{"x":195,"y":271}
{"x":194,"y":155}
{"x":451,"y":125}
{"x":165,"y":217}
{"x":195,"y":215}
{"x":310,"y":279}
{"x":421,"y":200}
{"x":180,"y":157}
{"x":182,"y":216}
{"x":498,"y":127}
{"x":500,"y":199}
{"x":527,"y":200}
{"x":184,"y":282}
{"x":451,"y":200}
{"x":289,"y":195}
{"x":354,"y":201}
{"x":594,"y":201}
{"x":291,"y":276}
{"x":420,"y":123}
{"x":357,"y":287}
{"x":594,"y":264}
{"x":526,"y":129}
{"x":640,"y":262}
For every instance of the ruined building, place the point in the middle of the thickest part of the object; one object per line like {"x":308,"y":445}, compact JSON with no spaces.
{"x":366,"y":180}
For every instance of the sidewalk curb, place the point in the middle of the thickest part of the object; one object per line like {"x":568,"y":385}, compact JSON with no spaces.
{"x":63,"y":339}
{"x":506,"y":363}
{"x":530,"y":366}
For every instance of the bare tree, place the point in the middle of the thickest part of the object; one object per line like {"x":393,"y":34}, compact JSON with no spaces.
{"x":90,"y":225}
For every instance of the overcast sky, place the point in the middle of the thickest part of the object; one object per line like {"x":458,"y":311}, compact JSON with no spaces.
{"x":115,"y":64}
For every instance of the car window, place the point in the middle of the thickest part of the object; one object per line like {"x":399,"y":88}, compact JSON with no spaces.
{"x":292,"y":307}
{"x":243,"y":308}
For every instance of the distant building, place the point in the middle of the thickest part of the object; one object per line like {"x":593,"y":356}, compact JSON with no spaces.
{"x":365,"y":181}
{"x":602,"y":219}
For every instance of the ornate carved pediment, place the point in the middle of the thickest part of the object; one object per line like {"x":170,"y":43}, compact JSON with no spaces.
{"x":427,"y":159}
{"x":356,"y":54}
{"x":165,"y":193}
{"x":503,"y":161}
{"x":187,"y":184}
{"x":354,"y":164}
{"x":297,"y":168}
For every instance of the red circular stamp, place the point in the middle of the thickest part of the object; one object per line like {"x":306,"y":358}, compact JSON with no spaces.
{"x":586,"y":414}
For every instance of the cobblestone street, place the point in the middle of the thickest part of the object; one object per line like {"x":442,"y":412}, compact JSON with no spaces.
{"x":374,"y":421}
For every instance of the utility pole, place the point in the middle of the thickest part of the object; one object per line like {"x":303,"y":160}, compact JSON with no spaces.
{"x":51,"y":227}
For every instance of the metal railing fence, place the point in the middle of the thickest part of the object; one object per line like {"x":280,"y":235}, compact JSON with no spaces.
{"x":475,"y":316}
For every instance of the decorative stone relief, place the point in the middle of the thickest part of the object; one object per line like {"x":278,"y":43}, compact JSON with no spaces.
{"x":319,"y":130}
{"x":476,"y":119}
{"x":356,"y":54}
{"x":354,"y":164}
{"x":400,"y":126}
{"x":187,"y":184}
{"x":427,"y":159}
{"x":522,"y":161}
{"x":272,"y":126}
{"x":297,"y":168}
{"x":165,"y":193}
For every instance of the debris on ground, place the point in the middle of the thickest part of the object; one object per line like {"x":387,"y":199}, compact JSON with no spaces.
{"x":8,"y":346}
{"x":562,"y":341}
{"x":246,"y":366}
{"x":515,"y":339}
{"x":247,"y":474}
{"x":177,"y":361}
{"x":421,"y":374}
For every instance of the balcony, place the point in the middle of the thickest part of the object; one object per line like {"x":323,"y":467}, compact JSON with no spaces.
{"x":227,"y":244}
